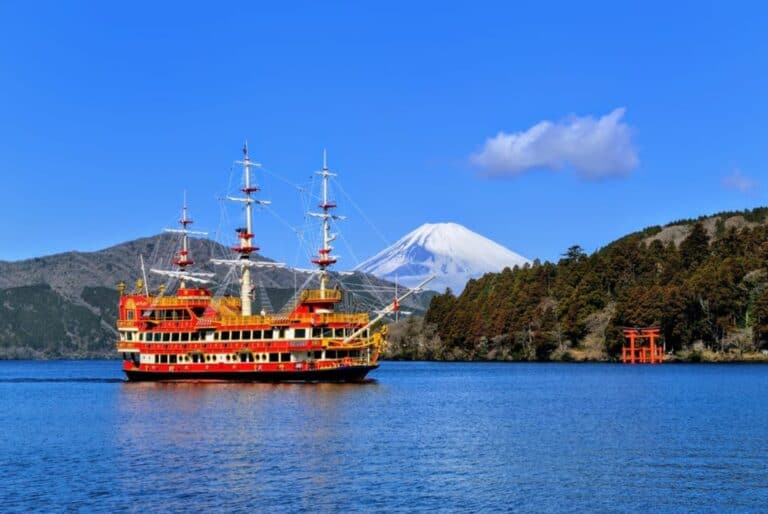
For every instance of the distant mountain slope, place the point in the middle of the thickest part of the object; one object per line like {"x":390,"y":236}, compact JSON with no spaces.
{"x":450,"y":251}
{"x":64,"y":305}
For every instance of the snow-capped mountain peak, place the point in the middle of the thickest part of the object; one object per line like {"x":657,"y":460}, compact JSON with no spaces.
{"x":450,"y":251}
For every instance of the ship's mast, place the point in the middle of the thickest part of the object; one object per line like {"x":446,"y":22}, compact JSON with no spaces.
{"x":245,"y":235}
{"x":324,"y":258}
{"x":183,"y":260}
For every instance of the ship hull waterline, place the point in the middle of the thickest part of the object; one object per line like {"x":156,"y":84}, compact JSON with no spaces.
{"x":341,"y":374}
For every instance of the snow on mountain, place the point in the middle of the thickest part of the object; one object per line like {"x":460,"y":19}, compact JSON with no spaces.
{"x":450,"y":251}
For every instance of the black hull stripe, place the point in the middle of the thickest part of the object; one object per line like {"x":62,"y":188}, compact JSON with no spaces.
{"x":346,"y":374}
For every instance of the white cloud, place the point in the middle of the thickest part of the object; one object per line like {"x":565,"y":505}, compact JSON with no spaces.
{"x":737,"y":181}
{"x":593,"y":148}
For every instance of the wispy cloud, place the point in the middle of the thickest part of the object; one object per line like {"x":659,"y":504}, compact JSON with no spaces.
{"x":737,"y":181}
{"x":593,"y":148}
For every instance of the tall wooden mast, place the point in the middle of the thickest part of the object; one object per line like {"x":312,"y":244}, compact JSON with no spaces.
{"x":324,"y":258}
{"x":183,"y":257}
{"x":245,"y":235}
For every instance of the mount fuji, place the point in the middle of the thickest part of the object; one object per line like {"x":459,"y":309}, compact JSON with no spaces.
{"x":450,"y":251}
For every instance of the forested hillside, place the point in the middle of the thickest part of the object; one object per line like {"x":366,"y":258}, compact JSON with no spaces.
{"x":704,"y":282}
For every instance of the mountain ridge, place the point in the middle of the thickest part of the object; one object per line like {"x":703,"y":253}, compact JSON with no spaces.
{"x":82,"y":288}
{"x":450,"y":251}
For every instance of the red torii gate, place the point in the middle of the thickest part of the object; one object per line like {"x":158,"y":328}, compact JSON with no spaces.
{"x":638,"y":353}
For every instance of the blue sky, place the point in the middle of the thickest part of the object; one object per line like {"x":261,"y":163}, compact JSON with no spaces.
{"x":108,"y":112}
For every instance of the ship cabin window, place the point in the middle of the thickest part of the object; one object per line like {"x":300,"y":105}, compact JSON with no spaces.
{"x":225,"y":336}
{"x":236,"y":335}
{"x":327,"y":332}
{"x":130,"y":315}
{"x":285,"y":357}
{"x":318,"y":354}
{"x":185,"y":336}
{"x":129,"y":336}
{"x":330,"y":354}
{"x":175,"y":337}
{"x":166,"y":337}
{"x":267,"y":334}
{"x":274,"y":357}
{"x":158,"y":336}
{"x":339,"y":332}
{"x":299,"y":333}
{"x":194,"y":336}
{"x":317,"y":332}
{"x":173,"y":314}
{"x":245,"y":335}
{"x":163,"y":359}
{"x":246,"y":357}
{"x":354,"y":353}
{"x":172,"y":359}
{"x":257,"y":334}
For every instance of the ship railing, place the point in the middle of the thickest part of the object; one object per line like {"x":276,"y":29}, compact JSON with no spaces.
{"x":347,"y":361}
{"x":354,"y":343}
{"x":232,"y":303}
{"x":317,"y":319}
{"x":314,"y":295}
{"x":172,"y":301}
{"x":341,"y":317}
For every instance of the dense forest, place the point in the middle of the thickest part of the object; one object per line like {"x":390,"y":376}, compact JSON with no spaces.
{"x":704,"y":282}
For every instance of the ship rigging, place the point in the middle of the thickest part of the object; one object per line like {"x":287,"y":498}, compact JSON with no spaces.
{"x":191,"y":333}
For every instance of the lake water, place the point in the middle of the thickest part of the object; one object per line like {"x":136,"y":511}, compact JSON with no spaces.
{"x":423,"y":437}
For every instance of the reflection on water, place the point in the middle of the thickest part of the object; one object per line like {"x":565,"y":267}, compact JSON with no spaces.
{"x":426,"y":436}
{"x":258,"y":437}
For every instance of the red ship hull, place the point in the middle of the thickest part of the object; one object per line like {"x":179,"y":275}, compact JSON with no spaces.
{"x":340,"y":374}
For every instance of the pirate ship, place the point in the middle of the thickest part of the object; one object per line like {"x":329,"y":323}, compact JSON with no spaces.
{"x":191,"y":334}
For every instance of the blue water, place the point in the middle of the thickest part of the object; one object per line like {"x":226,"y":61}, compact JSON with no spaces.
{"x":423,"y":437}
